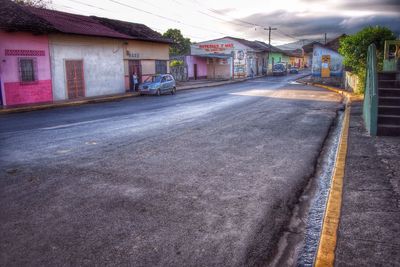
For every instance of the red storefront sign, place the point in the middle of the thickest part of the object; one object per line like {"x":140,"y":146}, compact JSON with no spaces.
{"x":216,"y":47}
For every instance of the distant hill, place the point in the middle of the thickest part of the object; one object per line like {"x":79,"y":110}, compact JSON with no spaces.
{"x":298,"y":44}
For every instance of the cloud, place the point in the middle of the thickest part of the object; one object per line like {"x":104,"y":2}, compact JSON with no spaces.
{"x":381,"y":5}
{"x":224,"y":11}
{"x":303,"y":25}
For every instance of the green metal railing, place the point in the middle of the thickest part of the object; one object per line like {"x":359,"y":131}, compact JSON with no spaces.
{"x":370,"y":108}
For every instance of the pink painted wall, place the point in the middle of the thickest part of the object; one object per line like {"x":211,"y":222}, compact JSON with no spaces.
{"x":24,"y":45}
{"x":201,"y":66}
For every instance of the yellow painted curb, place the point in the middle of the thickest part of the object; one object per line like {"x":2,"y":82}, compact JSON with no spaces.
{"x":348,"y":95}
{"x":327,"y":243}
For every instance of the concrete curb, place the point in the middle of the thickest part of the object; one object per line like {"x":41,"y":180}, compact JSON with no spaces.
{"x":328,"y":239}
{"x":108,"y":98}
{"x":67,"y":104}
{"x":348,"y":95}
{"x":327,"y":243}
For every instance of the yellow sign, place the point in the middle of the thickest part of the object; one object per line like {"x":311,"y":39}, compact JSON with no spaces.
{"x":326,"y":62}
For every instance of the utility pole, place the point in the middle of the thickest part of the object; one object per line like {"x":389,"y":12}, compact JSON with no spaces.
{"x":269,"y":29}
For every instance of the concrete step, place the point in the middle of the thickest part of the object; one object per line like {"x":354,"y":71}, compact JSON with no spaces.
{"x":388,"y":130}
{"x":388,"y":83}
{"x":387,"y":75}
{"x":388,"y":110}
{"x":389,"y":119}
{"x":389,"y":100}
{"x":389,"y":92}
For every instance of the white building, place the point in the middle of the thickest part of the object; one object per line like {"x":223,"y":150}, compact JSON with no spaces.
{"x":230,"y":57}
{"x":93,"y":56}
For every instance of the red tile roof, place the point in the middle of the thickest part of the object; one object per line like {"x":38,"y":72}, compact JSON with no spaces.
{"x":75,"y":24}
{"x":135,"y":30}
{"x":14,"y":17}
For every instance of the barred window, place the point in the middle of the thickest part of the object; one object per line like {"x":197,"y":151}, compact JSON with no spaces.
{"x":161,"y":66}
{"x":27,"y":70}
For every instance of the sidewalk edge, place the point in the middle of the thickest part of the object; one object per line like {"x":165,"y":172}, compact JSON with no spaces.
{"x":328,"y":239}
{"x":66,"y":104}
{"x":100,"y":99}
{"x":349,"y":96}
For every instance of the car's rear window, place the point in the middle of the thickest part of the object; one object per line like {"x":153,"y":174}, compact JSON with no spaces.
{"x":279,"y":67}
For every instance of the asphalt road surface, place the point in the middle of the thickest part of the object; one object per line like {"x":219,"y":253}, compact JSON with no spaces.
{"x":206,"y":177}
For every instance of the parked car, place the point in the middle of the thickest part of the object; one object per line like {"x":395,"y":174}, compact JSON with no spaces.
{"x":279,"y":69}
{"x":293,"y":70}
{"x":158,"y":84}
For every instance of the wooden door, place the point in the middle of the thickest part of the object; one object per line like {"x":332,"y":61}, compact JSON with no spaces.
{"x":75,"y":79}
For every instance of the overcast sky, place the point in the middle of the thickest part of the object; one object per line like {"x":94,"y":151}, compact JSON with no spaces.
{"x":209,"y":19}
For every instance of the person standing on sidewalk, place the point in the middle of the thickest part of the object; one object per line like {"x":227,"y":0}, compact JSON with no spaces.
{"x":135,"y":82}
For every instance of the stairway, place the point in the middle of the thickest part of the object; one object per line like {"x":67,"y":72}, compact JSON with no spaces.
{"x":389,"y":103}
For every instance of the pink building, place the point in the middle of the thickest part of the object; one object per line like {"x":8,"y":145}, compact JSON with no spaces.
{"x":197,"y":67}
{"x":24,"y":68}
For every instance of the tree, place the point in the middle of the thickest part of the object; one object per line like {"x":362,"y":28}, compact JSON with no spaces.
{"x":34,"y":3}
{"x":181,"y":45}
{"x":354,"y":50}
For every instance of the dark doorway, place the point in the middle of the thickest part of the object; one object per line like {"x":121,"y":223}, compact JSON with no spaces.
{"x":75,"y":79}
{"x":1,"y":96}
{"x":134,"y":68}
{"x":257,"y":70}
{"x":195,"y":71}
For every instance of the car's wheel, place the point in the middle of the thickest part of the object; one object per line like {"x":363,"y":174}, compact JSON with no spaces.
{"x":173,"y":91}
{"x":158,"y":93}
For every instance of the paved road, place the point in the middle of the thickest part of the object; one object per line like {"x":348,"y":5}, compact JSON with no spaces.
{"x":203,"y":178}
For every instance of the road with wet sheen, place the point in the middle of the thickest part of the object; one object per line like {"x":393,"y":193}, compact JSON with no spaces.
{"x":206,"y":177}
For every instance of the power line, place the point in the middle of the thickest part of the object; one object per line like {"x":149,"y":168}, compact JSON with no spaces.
{"x":113,"y":12}
{"x":221,"y":14}
{"x":163,"y":17}
{"x":241,"y":20}
{"x":288,"y":35}
{"x":211,"y":16}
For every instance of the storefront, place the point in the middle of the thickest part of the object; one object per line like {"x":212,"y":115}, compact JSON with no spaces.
{"x":144,"y":59}
{"x":228,"y":58}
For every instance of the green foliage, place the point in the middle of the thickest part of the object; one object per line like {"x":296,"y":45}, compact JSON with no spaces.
{"x":354,"y":49}
{"x":175,"y":63}
{"x":181,"y":44}
{"x":35,"y":3}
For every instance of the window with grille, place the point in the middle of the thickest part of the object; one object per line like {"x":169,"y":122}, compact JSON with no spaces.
{"x":161,"y":66}
{"x":27,"y":70}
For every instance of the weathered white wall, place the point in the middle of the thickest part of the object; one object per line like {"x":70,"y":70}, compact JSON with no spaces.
{"x":336,"y":66}
{"x":102,"y":62}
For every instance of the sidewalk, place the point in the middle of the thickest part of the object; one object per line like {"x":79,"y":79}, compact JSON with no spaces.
{"x":369,"y":228}
{"x":99,"y":99}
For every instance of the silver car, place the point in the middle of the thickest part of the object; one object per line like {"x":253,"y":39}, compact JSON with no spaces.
{"x":158,"y":84}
